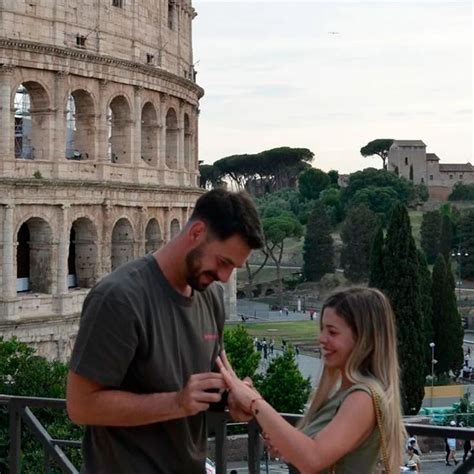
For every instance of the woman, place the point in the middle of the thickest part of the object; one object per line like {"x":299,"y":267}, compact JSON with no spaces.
{"x":339,"y":432}
{"x":412,"y":460}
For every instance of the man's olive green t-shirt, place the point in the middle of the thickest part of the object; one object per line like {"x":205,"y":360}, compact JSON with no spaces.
{"x":138,"y":334}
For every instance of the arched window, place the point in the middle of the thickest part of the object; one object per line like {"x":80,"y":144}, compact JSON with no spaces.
{"x":120,"y":131}
{"x":171,"y":158}
{"x":153,"y":239}
{"x":188,"y":158}
{"x":149,"y":134}
{"x":122,"y":243}
{"x":174,"y":228}
{"x":80,"y":126}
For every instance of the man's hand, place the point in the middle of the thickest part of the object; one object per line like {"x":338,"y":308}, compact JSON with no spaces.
{"x":200,"y":390}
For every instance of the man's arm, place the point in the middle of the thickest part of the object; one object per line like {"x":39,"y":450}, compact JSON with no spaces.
{"x":90,"y":403}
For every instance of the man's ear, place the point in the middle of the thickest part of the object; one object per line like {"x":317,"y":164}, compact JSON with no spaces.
{"x":197,"y":231}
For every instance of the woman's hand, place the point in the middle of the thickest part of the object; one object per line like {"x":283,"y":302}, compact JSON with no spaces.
{"x":241,"y":391}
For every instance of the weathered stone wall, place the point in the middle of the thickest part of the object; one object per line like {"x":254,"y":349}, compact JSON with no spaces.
{"x":98,"y":150}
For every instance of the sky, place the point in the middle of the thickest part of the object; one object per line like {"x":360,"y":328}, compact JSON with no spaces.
{"x":332,"y":76}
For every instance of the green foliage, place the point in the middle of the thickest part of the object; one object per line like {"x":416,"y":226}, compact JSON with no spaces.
{"x":318,"y":247}
{"x":378,"y":199}
{"x":379,"y":147}
{"x":447,"y":325}
{"x":37,"y":175}
{"x":462,"y":192}
{"x":283,"y":386}
{"x":334,"y":177}
{"x":402,"y":286}
{"x":426,"y":306}
{"x":466,"y":243}
{"x":210,"y":176}
{"x":374,"y":179}
{"x":311,"y":182}
{"x":331,"y":199}
{"x":357,"y":236}
{"x":446,"y":237}
{"x":419,"y":194}
{"x":430,"y":234}
{"x":240,"y":351}
{"x":276,"y":168}
{"x":376,"y":263}
{"x":25,"y":374}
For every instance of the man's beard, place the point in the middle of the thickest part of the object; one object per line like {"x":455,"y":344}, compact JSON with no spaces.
{"x":193,"y":268}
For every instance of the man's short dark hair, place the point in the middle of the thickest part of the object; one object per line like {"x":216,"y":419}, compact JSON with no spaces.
{"x":229,"y":213}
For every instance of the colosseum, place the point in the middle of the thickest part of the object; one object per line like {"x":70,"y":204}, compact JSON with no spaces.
{"x":99,"y":115}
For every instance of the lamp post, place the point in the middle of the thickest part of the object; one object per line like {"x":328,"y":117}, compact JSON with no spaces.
{"x":433,"y":362}
{"x":459,"y":253}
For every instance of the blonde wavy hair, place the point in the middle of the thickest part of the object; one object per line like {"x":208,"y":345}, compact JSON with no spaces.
{"x":373,"y":362}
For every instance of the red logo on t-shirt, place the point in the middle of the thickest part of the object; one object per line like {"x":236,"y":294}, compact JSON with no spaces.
{"x":211,"y":337}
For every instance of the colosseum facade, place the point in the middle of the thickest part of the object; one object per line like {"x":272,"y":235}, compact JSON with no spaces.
{"x":98,"y":150}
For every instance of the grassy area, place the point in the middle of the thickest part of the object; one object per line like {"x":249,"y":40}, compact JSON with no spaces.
{"x":415,"y":220}
{"x":294,"y":332}
{"x":266,"y":274}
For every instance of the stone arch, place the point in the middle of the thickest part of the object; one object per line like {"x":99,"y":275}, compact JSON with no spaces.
{"x":149,"y":133}
{"x":34,"y":255}
{"x":32,"y":121}
{"x":122,"y":243}
{"x":175,"y":228}
{"x":82,"y":258}
{"x":80,"y":125}
{"x":153,"y":238}
{"x":188,"y":140}
{"x":171,"y":139}
{"x":120,"y":130}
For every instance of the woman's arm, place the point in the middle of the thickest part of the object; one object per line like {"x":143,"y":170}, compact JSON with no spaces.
{"x":307,"y":454}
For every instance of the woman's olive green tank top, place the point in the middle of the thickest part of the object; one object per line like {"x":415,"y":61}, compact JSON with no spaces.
{"x":365,"y":457}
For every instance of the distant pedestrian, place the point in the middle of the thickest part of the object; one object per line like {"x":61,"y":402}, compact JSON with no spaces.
{"x":451,"y":448}
{"x":297,"y":351}
{"x":283,"y":345}
{"x":468,"y":448}
{"x":272,"y":346}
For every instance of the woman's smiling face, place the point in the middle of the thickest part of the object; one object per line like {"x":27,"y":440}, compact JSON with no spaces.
{"x":336,"y":338}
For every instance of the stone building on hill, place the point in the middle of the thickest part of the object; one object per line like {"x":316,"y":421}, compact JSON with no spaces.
{"x":409,"y":159}
{"x":98,"y":150}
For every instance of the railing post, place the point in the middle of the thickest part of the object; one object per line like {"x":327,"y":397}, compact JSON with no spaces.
{"x":15,"y":437}
{"x":254,"y":445}
{"x":221,"y":445}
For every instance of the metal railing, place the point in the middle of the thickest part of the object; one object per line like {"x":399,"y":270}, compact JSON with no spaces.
{"x":20,"y":411}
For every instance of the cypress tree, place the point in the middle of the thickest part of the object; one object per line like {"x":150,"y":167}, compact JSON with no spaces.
{"x":456,"y":330}
{"x":446,"y":237}
{"x":357,"y":235}
{"x":376,"y":270}
{"x":318,"y":247}
{"x":447,"y":324}
{"x":466,"y":243}
{"x":430,"y":234}
{"x":402,"y":286}
{"x":427,"y":306}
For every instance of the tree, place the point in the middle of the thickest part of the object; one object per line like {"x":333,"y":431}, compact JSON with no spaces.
{"x":402,"y":286}
{"x":462,"y":192}
{"x":430,"y":234}
{"x":283,"y":386}
{"x":379,"y":147}
{"x":379,"y":179}
{"x":240,"y":351}
{"x":276,"y":230}
{"x":311,"y":182}
{"x":447,"y":325}
{"x":210,"y":176}
{"x":331,"y":199}
{"x":357,"y":234}
{"x":446,"y":237}
{"x":376,"y":268}
{"x":466,"y":243}
{"x":266,"y":171}
{"x":334,"y":177}
{"x":379,"y":200}
{"x":426,"y":306}
{"x":318,"y":249}
{"x":23,"y":373}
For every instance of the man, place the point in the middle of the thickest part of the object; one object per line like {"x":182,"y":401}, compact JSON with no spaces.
{"x":141,"y":373}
